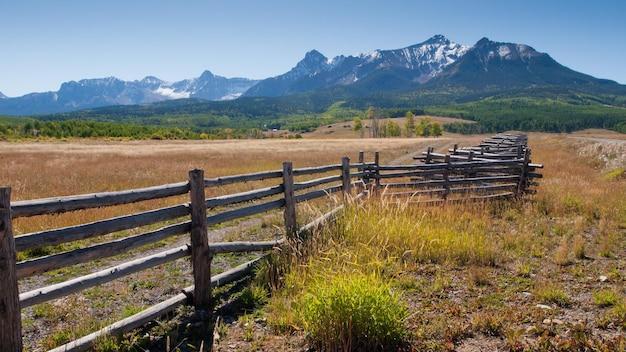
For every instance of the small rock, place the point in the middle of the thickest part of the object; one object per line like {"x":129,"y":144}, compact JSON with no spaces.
{"x":543,"y":306}
{"x":547,"y":321}
{"x":603,"y":278}
{"x":526,"y":294}
{"x":557,"y":321}
{"x":531,"y":329}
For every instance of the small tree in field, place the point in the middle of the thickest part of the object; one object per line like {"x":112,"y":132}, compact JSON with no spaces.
{"x":373,"y":116}
{"x":409,"y":124}
{"x":392,"y":129}
{"x":358,"y":124}
{"x":424,"y":128}
{"x":436,"y":129}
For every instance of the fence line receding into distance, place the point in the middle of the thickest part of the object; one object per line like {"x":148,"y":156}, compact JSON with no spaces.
{"x":499,"y":167}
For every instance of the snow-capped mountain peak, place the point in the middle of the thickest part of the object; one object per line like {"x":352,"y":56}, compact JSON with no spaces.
{"x":419,"y":63}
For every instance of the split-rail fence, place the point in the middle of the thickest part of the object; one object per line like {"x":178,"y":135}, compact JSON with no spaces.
{"x":499,"y":163}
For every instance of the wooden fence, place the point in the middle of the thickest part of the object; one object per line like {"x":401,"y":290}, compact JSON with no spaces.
{"x":492,"y":167}
{"x":288,"y":191}
{"x":500,"y":167}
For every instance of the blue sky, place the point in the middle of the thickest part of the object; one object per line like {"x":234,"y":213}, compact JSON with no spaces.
{"x":43,"y":43}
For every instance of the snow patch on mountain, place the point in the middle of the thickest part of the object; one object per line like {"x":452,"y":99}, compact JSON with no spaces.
{"x":171,"y":93}
{"x":231,"y":96}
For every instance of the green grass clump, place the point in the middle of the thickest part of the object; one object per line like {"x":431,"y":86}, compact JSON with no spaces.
{"x":253,"y":296}
{"x":554,"y":295}
{"x":606,"y":298}
{"x":385,"y":230}
{"x":615,"y":316}
{"x":354,"y":312}
{"x":615,"y":174}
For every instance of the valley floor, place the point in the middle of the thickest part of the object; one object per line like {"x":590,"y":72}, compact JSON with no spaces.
{"x":547,"y":274}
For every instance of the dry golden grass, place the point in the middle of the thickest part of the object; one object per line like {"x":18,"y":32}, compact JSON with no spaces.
{"x":461,"y":269}
{"x":45,"y":169}
{"x":448,"y":269}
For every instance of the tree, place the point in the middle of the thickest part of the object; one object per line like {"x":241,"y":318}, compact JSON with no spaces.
{"x":423,"y":128}
{"x":409,"y":124}
{"x":436,"y":129}
{"x":373,"y":116}
{"x":358,"y":124}
{"x":392,"y":129}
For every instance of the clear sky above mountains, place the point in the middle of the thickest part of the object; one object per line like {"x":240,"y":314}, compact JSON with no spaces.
{"x":43,"y":43}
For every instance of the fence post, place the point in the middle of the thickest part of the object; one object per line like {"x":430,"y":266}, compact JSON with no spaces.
{"x":200,"y":254}
{"x":362,"y":170}
{"x":446,"y":177}
{"x":521,"y":186}
{"x":456,"y":146}
{"x":377,"y":172}
{"x":289,"y":214}
{"x":428,"y":156}
{"x":345,"y":177}
{"x":10,"y":314}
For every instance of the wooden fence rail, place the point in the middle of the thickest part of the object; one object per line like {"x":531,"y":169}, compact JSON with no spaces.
{"x":460,"y":173}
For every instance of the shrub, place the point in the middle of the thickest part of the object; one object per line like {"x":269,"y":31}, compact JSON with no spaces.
{"x":354,"y":312}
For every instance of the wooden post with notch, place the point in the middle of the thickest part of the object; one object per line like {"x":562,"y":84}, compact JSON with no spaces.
{"x":345,"y":177}
{"x":291,"y":226}
{"x":200,"y":254}
{"x":10,"y":314}
{"x":377,"y":172}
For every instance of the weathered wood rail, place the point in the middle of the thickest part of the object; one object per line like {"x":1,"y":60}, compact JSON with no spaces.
{"x":286,"y":195}
{"x":499,"y":167}
{"x":495,"y":166}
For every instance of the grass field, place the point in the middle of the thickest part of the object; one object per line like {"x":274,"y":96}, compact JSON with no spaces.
{"x":470,"y":278}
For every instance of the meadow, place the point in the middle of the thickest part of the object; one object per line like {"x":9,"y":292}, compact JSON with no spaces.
{"x":544,"y":274}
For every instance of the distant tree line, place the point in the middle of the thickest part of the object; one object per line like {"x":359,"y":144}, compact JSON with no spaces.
{"x":528,"y":114}
{"x":383,"y":128}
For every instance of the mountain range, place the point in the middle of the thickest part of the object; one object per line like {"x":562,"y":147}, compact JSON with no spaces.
{"x":91,"y":93}
{"x":418,"y":63}
{"x":436,"y":64}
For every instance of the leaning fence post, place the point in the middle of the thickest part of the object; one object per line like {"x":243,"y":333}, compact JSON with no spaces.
{"x":377,"y":172}
{"x":289,"y":214}
{"x":345,"y":177}
{"x":10,"y":314}
{"x":428,"y":156}
{"x":200,"y":254}
{"x":446,"y":177}
{"x":521,"y":186}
